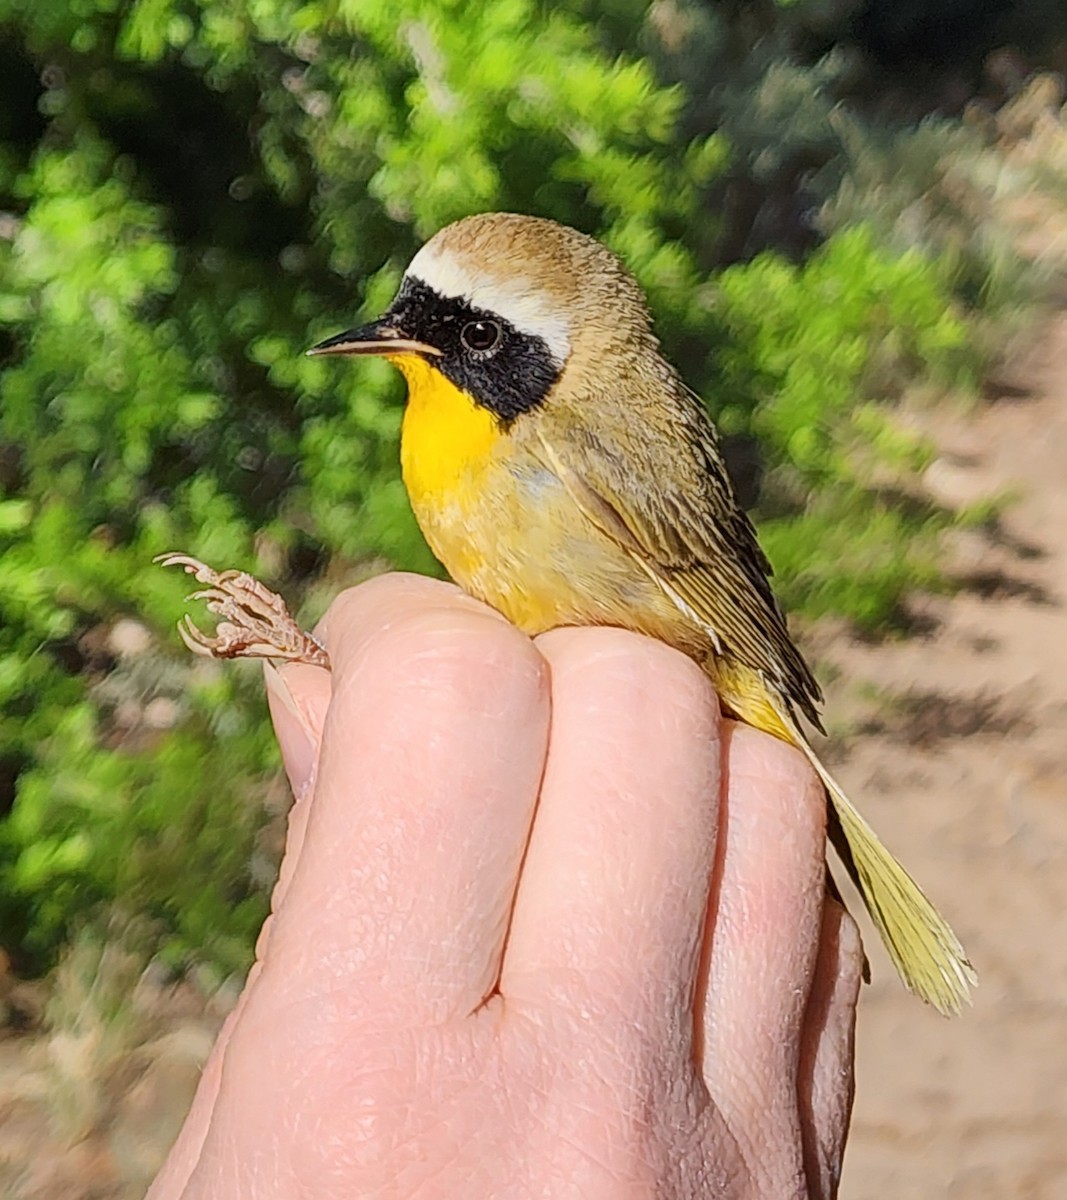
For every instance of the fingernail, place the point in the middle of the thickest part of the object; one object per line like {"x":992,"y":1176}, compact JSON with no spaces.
{"x":297,"y":737}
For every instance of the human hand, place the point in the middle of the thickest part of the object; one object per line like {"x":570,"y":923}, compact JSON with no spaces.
{"x":512,"y":956}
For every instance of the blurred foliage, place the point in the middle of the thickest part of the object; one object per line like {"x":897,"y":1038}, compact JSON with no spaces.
{"x":194,"y":191}
{"x":813,"y":350}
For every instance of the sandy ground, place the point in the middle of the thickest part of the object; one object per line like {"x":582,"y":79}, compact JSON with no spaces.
{"x":967,"y":780}
{"x":964,"y":772}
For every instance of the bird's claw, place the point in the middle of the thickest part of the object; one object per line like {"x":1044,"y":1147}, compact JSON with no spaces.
{"x":254,"y":621}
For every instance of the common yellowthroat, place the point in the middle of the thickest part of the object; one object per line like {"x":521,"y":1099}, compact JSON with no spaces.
{"x":563,"y":473}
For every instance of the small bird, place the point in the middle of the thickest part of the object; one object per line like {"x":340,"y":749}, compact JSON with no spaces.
{"x":564,"y":474}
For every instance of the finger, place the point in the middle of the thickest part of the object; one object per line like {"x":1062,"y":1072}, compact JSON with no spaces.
{"x":763,"y":934}
{"x":298,"y":697}
{"x":614,"y":889}
{"x":825,"y":1080}
{"x":184,"y":1155}
{"x":431,"y":757}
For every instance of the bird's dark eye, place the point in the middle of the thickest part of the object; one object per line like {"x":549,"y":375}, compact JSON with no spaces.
{"x":481,"y":336}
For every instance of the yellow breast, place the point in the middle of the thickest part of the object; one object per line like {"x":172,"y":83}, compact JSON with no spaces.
{"x":505,"y":527}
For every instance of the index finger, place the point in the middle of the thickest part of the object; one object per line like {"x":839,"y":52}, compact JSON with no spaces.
{"x":432,"y":752}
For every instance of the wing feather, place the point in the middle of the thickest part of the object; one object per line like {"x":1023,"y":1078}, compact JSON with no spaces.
{"x":686,"y":529}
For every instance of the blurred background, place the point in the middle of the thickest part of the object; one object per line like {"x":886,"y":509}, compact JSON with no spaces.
{"x":851,"y":219}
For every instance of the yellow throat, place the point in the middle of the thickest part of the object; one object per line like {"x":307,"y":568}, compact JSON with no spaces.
{"x":447,"y":439}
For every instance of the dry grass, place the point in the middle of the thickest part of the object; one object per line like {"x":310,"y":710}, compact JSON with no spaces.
{"x":91,"y":1099}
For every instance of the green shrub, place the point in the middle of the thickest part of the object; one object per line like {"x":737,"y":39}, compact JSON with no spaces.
{"x":211,"y":191}
{"x":198,"y":192}
{"x":811,"y":354}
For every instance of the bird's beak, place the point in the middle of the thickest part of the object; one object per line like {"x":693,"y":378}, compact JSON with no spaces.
{"x":379,"y":337}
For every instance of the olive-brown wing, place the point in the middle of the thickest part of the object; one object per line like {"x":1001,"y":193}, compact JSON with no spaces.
{"x":663,"y":493}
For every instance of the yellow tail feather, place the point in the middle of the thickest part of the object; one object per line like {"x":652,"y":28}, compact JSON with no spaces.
{"x":926,"y":953}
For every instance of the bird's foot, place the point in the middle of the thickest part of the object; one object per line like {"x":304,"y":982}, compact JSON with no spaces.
{"x":255,"y":622}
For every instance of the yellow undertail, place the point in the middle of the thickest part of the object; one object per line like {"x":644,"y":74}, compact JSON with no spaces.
{"x":926,"y":953}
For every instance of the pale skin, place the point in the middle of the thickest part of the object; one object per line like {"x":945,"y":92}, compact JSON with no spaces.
{"x":546,"y":926}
